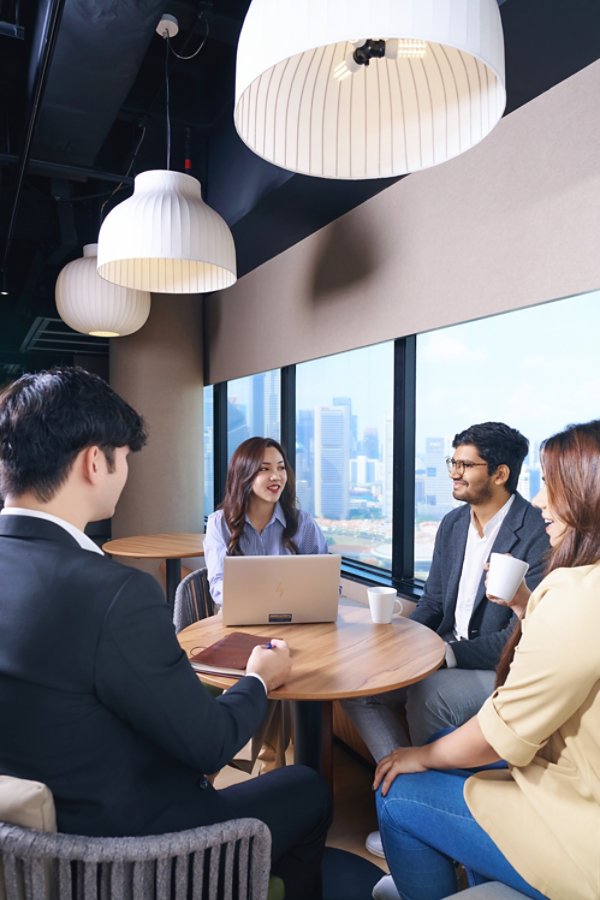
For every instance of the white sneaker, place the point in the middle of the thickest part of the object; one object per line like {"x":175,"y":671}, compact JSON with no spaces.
{"x":385,"y":889}
{"x":374,"y":845}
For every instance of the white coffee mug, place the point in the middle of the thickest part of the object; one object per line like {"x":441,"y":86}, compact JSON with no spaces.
{"x":383,"y":603}
{"x":504,"y":576}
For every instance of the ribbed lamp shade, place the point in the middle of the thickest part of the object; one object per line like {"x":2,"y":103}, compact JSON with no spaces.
{"x":304,"y":103}
{"x":164,"y":238}
{"x":93,"y":306}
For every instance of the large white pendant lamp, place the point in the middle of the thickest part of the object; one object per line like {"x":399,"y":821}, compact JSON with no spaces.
{"x":368,"y":88}
{"x":93,"y":306}
{"x":164,"y":238}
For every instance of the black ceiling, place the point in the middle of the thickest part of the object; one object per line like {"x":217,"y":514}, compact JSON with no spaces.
{"x":83,"y":89}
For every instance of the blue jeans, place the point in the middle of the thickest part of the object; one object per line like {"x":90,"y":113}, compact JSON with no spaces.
{"x":425,"y":825}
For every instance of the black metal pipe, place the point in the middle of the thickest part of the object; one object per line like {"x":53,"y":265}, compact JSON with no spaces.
{"x":64,"y":170}
{"x":56,"y":8}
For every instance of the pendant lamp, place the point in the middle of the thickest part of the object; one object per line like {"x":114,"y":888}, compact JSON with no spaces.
{"x":164,"y":238}
{"x":368,"y":88}
{"x":93,"y":306}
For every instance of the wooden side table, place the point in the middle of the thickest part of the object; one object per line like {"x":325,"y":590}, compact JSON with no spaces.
{"x":170,"y":547}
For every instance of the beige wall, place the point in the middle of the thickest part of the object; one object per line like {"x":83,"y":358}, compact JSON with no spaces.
{"x":159,"y":371}
{"x":513,"y":222}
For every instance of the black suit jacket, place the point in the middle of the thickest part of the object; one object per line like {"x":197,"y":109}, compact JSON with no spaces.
{"x":522,"y":534}
{"x":98,"y":700}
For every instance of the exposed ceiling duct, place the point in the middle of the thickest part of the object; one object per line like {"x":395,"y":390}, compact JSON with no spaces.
{"x":98,"y":54}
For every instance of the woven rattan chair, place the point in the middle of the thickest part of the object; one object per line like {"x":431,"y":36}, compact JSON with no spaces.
{"x":228,"y":861}
{"x":192,"y":600}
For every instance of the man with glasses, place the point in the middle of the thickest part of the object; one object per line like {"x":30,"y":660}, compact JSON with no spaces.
{"x":484,"y":469}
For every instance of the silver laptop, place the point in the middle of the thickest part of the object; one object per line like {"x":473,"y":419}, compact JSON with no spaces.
{"x":280,"y":590}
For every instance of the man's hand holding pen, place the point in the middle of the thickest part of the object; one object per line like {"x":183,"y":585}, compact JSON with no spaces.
{"x":272,"y":662}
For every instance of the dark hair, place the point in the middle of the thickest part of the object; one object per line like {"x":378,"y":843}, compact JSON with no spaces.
{"x":498,"y":445}
{"x":243,"y":468}
{"x":571,"y":464}
{"x":47,"y":418}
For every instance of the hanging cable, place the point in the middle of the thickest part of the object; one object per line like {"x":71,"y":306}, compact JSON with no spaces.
{"x":168,"y":103}
{"x":202,"y":15}
{"x":129,"y":168}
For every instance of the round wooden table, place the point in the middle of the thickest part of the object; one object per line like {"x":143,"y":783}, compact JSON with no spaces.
{"x":348,"y":658}
{"x":170,"y":547}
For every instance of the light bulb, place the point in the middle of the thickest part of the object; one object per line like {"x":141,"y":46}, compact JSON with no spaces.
{"x":405,"y":48}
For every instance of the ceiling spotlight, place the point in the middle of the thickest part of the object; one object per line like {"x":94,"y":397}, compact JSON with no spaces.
{"x":366,"y":50}
{"x":4,"y":292}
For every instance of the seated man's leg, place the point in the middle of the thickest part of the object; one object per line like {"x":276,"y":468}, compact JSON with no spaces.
{"x":445,"y":698}
{"x":426,"y":825}
{"x":295,"y":802}
{"x":378,"y":720}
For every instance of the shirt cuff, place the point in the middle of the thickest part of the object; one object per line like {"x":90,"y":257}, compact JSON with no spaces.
{"x":259,"y":677}
{"x":516,"y":750}
{"x":450,"y":657}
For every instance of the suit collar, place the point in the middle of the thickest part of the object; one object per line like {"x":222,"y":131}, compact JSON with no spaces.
{"x":85,"y":542}
{"x":462,"y":530}
{"x":506,"y":538}
{"x":505,"y":541}
{"x":508,"y":534}
{"x":38,"y":529}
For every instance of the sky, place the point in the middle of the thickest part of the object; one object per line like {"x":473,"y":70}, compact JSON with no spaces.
{"x":536,"y":369}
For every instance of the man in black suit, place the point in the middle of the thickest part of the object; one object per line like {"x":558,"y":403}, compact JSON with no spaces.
{"x":484,"y":469}
{"x":97,"y":699}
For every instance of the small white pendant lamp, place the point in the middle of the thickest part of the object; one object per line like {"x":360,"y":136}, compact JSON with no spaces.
{"x":164,"y":238}
{"x":368,"y":88}
{"x":93,"y":306}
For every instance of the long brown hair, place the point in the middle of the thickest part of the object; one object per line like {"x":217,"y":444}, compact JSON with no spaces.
{"x":571,"y":464}
{"x":243,"y":468}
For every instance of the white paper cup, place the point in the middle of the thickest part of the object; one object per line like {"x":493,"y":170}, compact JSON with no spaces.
{"x":383,"y":603}
{"x":504,"y":576}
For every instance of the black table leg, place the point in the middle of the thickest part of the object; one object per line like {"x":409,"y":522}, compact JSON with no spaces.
{"x":173,"y":579}
{"x":313,"y":736}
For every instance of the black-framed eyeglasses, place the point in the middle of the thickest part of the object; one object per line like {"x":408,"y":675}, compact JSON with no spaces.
{"x":459,"y":465}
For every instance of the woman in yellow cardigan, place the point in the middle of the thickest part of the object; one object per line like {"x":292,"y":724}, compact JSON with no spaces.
{"x":536,"y":824}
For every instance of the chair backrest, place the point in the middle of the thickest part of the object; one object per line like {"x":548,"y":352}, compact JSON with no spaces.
{"x":228,"y":861}
{"x":192,"y":600}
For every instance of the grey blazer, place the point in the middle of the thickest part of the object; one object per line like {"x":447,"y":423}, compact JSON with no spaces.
{"x":523,"y":535}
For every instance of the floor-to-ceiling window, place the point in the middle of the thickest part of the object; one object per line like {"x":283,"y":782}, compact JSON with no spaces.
{"x":536,"y":369}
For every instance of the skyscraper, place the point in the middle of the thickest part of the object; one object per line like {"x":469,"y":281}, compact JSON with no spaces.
{"x":271,"y":405}
{"x":438,"y":494}
{"x":332,"y":461}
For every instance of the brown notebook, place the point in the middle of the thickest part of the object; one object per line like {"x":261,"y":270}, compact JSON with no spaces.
{"x":228,"y":656}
